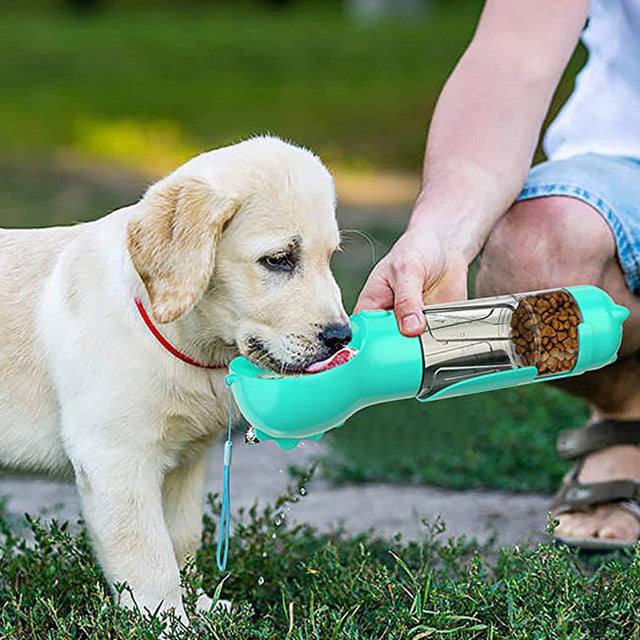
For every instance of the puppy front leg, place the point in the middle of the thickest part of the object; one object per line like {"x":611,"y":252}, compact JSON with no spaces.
{"x":182,"y":497}
{"x":122,"y":505}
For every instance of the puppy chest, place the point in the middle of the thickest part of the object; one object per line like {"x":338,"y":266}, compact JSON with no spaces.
{"x":191,"y":423}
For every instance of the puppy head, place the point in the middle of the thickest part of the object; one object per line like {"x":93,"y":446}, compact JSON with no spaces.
{"x":242,"y":238}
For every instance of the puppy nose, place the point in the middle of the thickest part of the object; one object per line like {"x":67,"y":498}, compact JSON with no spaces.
{"x":335,"y":336}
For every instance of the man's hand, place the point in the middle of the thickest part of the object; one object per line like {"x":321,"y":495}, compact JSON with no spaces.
{"x":417,"y":270}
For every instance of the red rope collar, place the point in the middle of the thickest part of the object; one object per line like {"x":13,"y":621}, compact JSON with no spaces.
{"x":168,"y":346}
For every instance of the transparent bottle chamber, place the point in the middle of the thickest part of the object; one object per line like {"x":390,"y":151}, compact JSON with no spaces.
{"x":490,"y":335}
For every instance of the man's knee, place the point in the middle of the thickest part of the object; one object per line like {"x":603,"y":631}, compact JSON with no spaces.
{"x":545,"y":242}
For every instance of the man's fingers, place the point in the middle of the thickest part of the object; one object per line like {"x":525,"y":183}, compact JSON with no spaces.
{"x":375,"y":295}
{"x":365,"y":302}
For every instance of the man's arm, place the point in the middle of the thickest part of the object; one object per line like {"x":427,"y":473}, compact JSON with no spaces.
{"x":481,"y":141}
{"x":487,"y":121}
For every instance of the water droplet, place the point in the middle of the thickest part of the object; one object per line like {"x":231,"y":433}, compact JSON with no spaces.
{"x":260,"y":580}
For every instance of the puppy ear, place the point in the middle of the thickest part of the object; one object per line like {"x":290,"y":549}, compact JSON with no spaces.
{"x":172,"y":243}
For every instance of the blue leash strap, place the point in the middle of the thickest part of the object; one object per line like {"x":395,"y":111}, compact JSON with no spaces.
{"x":225,"y":509}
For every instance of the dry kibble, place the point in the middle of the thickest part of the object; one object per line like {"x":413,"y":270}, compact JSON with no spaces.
{"x":544,"y":331}
{"x":547,"y":331}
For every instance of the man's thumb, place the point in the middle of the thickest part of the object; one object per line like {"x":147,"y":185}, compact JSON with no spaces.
{"x":408,"y":306}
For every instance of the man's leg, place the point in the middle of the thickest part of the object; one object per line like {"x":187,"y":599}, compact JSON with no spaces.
{"x":561,"y":241}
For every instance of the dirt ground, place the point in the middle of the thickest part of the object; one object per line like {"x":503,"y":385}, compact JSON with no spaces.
{"x":259,"y":472}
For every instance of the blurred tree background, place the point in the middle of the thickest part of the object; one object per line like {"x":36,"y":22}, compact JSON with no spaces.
{"x":100,"y":97}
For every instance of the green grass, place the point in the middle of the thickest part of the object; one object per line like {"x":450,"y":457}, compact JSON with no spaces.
{"x":500,"y":440}
{"x":218,"y":76}
{"x":292,"y":583}
{"x":147,"y":88}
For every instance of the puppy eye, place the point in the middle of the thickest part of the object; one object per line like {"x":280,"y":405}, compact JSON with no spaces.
{"x":279,"y":262}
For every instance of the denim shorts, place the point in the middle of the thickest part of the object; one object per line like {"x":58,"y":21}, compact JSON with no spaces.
{"x":611,"y":185}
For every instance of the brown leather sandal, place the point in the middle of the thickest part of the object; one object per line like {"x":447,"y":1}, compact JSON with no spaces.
{"x":573,"y":496}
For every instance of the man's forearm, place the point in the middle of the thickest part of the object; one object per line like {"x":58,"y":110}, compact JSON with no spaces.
{"x":488,"y":118}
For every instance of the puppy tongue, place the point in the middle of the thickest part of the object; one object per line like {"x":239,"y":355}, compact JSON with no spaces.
{"x":342,"y":356}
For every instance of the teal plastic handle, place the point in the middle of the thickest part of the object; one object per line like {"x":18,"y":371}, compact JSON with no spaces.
{"x":389,"y":366}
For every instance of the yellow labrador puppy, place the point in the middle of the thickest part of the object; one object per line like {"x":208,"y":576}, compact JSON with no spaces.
{"x":228,"y":254}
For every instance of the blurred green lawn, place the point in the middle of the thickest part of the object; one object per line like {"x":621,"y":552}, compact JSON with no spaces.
{"x":138,"y":86}
{"x":360,"y":94}
{"x":145,"y":90}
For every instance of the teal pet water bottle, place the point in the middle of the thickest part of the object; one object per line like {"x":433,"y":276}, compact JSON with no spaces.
{"x":467,"y":347}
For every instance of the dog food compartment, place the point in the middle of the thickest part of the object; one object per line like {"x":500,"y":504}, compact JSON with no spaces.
{"x":544,"y":330}
{"x":492,"y":335}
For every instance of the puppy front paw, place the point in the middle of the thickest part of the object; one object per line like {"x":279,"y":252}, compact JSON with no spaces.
{"x":204,"y":603}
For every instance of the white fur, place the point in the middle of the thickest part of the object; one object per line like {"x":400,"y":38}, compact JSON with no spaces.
{"x":87,"y":390}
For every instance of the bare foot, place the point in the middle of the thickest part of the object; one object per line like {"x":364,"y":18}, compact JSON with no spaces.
{"x":607,"y":520}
